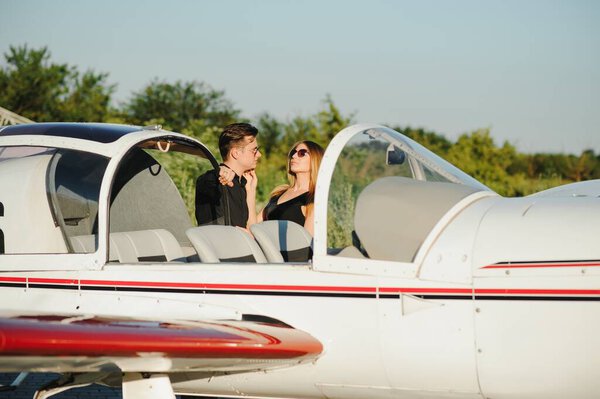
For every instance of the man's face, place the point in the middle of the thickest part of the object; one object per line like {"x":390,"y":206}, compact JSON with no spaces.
{"x":248,"y":153}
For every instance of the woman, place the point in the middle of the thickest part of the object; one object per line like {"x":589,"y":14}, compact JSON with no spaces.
{"x":295,"y":201}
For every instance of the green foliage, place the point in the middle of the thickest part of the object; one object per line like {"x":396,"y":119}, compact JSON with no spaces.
{"x":180,"y":105}
{"x":330,"y":121}
{"x":354,"y":170}
{"x":271,"y":131}
{"x":319,"y":128}
{"x":340,"y":213}
{"x":276,"y":139}
{"x":432,"y":140}
{"x":271,"y":172}
{"x":502,"y":168}
{"x":477,"y":155}
{"x":40,"y":90}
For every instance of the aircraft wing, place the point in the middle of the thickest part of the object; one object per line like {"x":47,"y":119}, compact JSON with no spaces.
{"x":89,"y":344}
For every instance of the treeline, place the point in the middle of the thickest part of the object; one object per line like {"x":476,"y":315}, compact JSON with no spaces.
{"x":503,"y":168}
{"x":34,"y":86}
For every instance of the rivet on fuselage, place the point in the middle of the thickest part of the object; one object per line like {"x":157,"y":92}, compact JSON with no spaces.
{"x":507,"y":272}
{"x":477,"y":310}
{"x":582,"y":271}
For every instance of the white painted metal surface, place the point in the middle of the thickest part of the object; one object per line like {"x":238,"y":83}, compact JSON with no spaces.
{"x":501,"y":300}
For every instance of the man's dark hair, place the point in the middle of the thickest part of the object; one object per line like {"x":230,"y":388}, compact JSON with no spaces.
{"x":233,"y":135}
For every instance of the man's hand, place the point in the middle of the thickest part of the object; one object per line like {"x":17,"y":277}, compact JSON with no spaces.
{"x":251,"y":184}
{"x":226,"y":176}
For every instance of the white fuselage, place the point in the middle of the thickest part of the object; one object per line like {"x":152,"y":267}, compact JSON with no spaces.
{"x":469,"y":295}
{"x":459,"y":329}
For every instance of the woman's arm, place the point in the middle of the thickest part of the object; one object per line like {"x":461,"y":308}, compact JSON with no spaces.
{"x":259,"y":216}
{"x":309,"y":222}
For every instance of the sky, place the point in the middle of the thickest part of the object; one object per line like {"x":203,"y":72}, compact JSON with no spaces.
{"x":527,"y":70}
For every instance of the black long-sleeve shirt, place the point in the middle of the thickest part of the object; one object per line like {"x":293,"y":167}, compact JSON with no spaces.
{"x":210,"y":204}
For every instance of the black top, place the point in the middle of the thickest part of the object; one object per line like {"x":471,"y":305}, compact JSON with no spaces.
{"x":288,"y":210}
{"x":209,"y":201}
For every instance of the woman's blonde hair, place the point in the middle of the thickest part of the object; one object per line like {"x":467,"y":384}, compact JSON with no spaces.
{"x":316,"y":155}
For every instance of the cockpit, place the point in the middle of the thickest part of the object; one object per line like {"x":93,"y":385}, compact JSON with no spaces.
{"x":379,"y":195}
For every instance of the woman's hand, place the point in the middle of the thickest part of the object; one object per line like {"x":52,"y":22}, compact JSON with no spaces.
{"x":226,"y":176}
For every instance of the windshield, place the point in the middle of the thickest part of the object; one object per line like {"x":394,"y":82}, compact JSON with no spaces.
{"x":386,"y":194}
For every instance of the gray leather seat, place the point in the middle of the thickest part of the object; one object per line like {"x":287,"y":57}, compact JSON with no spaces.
{"x":283,"y":241}
{"x":216,"y":244}
{"x":157,"y":245}
{"x":394,"y":215}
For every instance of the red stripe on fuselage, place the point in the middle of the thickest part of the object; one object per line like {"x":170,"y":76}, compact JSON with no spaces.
{"x":37,"y":280}
{"x":541,"y":265}
{"x":535,"y":291}
{"x":207,"y":286}
{"x":306,"y":288}
{"x":13,"y":279}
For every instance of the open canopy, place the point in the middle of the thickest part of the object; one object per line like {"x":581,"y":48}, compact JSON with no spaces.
{"x":380,"y":194}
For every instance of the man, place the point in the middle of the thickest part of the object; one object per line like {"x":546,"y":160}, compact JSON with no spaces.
{"x":221,"y":199}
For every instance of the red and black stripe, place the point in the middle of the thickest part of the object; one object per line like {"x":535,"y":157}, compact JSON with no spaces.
{"x":543,"y":264}
{"x":306,"y":290}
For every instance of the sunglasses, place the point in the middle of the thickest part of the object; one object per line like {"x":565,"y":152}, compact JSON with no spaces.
{"x":301,"y":153}
{"x":254,"y":151}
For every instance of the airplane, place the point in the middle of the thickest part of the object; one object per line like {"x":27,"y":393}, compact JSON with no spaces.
{"x":422,"y":282}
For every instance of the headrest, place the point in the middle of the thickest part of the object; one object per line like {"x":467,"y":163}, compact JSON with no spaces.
{"x":394,"y":215}
{"x":283,"y":241}
{"x":215,"y":243}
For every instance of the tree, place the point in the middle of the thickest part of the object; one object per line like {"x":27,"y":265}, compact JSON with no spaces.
{"x":582,"y":167}
{"x":276,"y":139}
{"x":477,"y":155}
{"x":330,"y":121}
{"x":180,"y":105}
{"x":40,"y":90}
{"x":431,"y":140}
{"x":271,"y":131}
{"x":319,"y":128}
